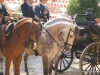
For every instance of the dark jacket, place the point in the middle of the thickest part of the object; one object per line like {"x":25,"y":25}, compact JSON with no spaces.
{"x":39,"y":11}
{"x":27,"y":11}
{"x":3,"y":10}
{"x":90,"y":16}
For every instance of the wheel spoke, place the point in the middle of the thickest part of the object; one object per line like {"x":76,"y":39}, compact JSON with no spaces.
{"x":63,"y":63}
{"x":89,"y":70}
{"x":60,"y":63}
{"x":95,"y":71}
{"x":87,"y":67}
{"x":66,"y":60}
{"x":92,"y":70}
{"x":86,"y":63}
{"x":98,"y":67}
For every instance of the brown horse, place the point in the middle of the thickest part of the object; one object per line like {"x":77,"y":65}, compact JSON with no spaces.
{"x":23,"y":32}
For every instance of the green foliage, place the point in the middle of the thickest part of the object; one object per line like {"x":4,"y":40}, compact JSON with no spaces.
{"x":81,"y":6}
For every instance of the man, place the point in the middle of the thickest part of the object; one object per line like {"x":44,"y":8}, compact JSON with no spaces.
{"x":90,"y":16}
{"x":6,"y":17}
{"x":27,"y":11}
{"x":6,"y":14}
{"x":42,"y":11}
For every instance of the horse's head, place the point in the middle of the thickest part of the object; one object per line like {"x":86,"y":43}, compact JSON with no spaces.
{"x":69,"y":36}
{"x":72,"y":37}
{"x":27,"y":28}
{"x":34,"y":29}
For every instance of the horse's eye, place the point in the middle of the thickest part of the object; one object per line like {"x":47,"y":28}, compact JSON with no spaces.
{"x":71,"y":36}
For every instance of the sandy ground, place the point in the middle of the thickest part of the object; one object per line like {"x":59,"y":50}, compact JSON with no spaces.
{"x":35,"y":67}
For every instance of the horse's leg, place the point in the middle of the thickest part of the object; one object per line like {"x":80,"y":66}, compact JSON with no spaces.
{"x":50,"y":66}
{"x":1,"y":59}
{"x":25,"y":63}
{"x":57,"y":57}
{"x":7,"y":66}
{"x":17,"y":63}
{"x":45,"y":64}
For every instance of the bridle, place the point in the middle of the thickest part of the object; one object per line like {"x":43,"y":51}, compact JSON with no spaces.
{"x":28,"y":40}
{"x":64,"y":43}
{"x":68,"y":38}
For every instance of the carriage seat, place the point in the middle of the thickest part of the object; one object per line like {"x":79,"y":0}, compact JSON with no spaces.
{"x":81,"y":22}
{"x":95,"y":29}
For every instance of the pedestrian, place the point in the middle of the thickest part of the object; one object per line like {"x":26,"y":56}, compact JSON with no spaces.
{"x":28,"y":12}
{"x":42,"y":11}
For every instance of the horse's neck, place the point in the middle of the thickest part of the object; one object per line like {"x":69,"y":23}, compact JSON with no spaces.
{"x":56,"y":28}
{"x":22,"y":30}
{"x":59,"y":19}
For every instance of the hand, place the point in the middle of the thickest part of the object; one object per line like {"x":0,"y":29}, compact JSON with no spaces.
{"x":8,"y":18}
{"x":11,"y":18}
{"x":46,"y":11}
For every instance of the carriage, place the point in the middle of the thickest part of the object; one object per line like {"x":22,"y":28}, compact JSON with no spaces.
{"x":87,"y":50}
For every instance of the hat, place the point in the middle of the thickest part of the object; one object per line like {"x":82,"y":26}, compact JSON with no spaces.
{"x":89,"y":9}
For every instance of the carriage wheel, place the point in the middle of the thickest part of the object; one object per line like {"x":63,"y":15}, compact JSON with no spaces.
{"x":65,"y":61}
{"x":90,"y":59}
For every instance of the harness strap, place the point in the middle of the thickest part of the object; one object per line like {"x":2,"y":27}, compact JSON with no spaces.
{"x":18,"y":36}
{"x":67,"y":38}
{"x":53,"y":38}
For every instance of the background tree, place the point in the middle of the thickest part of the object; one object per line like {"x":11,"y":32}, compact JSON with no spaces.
{"x":81,"y":6}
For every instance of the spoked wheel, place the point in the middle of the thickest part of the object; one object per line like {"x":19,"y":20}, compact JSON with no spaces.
{"x":65,"y":61}
{"x":90,"y":60}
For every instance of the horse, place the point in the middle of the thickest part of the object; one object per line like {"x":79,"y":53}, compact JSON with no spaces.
{"x":23,"y":32}
{"x":57,"y":34}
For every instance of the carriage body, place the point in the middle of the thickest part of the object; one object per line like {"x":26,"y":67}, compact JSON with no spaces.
{"x":89,"y":33}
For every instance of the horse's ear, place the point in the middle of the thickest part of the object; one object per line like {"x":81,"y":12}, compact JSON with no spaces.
{"x":76,"y":35}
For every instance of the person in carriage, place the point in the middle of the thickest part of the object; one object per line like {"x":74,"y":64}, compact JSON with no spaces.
{"x":90,"y":16}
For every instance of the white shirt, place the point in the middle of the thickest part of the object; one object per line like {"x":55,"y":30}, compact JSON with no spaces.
{"x":0,"y":6}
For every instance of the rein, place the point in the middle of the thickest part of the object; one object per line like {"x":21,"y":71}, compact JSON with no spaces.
{"x":67,"y":38}
{"x":53,"y":38}
{"x":18,"y":36}
{"x":59,"y":39}
{"x":27,"y":42}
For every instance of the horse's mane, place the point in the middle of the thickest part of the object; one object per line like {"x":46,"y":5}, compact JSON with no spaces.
{"x":23,"y":20}
{"x":58,"y":19}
